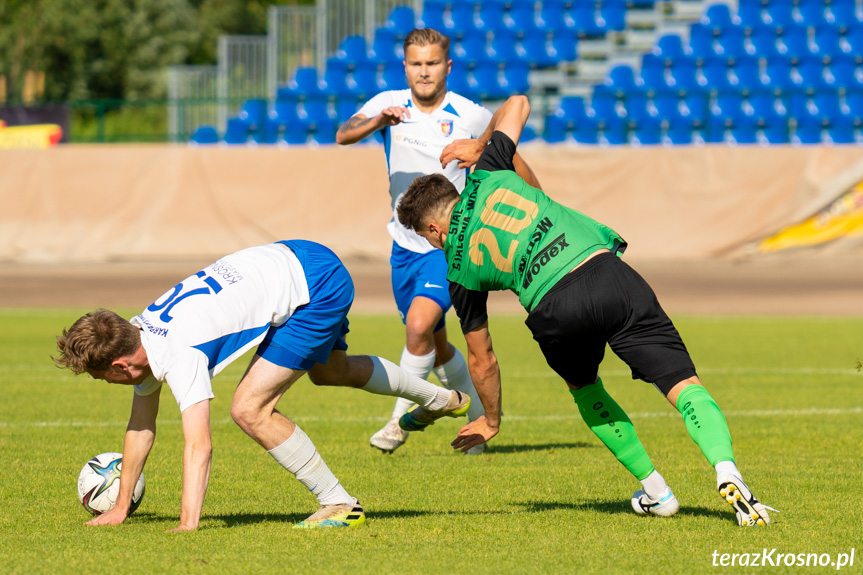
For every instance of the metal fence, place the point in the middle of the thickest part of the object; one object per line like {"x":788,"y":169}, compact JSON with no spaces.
{"x":256,"y":66}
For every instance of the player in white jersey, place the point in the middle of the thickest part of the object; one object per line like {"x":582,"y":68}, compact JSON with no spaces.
{"x":291,"y":299}
{"x":417,"y":124}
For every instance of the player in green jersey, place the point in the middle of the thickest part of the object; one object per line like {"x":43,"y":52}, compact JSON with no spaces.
{"x":502,"y":234}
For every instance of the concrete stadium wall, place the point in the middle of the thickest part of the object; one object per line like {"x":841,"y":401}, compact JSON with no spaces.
{"x":159,"y":203}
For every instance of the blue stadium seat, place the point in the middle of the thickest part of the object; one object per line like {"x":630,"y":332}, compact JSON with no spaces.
{"x":433,"y":16}
{"x":295,"y":133}
{"x":401,"y":20}
{"x":584,"y":16}
{"x":393,"y":77}
{"x":503,"y":46}
{"x":841,"y":134}
{"x":487,"y":77}
{"x":528,"y":134}
{"x":268,"y":134}
{"x":611,"y":16}
{"x":777,"y":74}
{"x":253,"y":114}
{"x":386,"y":46}
{"x":621,"y":78}
{"x":670,"y":46}
{"x":745,"y":73}
{"x":554,"y":16}
{"x":808,"y":74}
{"x":346,"y":108}
{"x":825,"y":41}
{"x":471,"y":47}
{"x":751,"y":14}
{"x":490,"y":16}
{"x":205,"y":135}
{"x":653,"y":71}
{"x":284,"y":112}
{"x":646,"y":136}
{"x":569,"y":115}
{"x":323,"y":133}
{"x":304,"y":82}
{"x":713,"y":74}
{"x":363,"y":80}
{"x":807,"y":134}
{"x":809,"y":13}
{"x":766,"y":108}
{"x":846,"y":72}
{"x":793,"y":43}
{"x":779,"y":14}
{"x":236,"y":132}
{"x":775,"y":133}
{"x":521,"y":16}
{"x":613,"y":135}
{"x":853,"y":107}
{"x":718,"y":16}
{"x":693,"y":108}
{"x":563,"y":45}
{"x":336,"y":77}
{"x":515,"y":77}
{"x":821,"y":108}
{"x":462,"y":17}
{"x":852,"y":43}
{"x":353,"y":49}
{"x":761,"y":42}
{"x":726,"y":109}
{"x":536,"y":48}
{"x":457,"y":81}
{"x":678,"y":135}
{"x":842,"y":13}
{"x":744,"y":134}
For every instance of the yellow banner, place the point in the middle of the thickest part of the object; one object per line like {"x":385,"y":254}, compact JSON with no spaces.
{"x":842,"y":218}
{"x":36,"y":136}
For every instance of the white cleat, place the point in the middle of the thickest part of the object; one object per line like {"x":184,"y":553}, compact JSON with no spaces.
{"x":665,"y":506}
{"x":749,"y":511}
{"x":390,"y":437}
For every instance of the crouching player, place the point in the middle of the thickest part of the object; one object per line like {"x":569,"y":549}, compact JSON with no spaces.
{"x":565,"y":267}
{"x":291,"y":299}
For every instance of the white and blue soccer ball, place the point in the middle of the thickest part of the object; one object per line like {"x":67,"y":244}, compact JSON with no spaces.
{"x":99,"y":484}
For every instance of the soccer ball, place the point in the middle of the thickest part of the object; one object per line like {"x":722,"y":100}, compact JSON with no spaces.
{"x":99,"y":484}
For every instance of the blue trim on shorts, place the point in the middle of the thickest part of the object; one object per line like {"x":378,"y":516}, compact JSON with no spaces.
{"x":319,"y":327}
{"x":416,"y":275}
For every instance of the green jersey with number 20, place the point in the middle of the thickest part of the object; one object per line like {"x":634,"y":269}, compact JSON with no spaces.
{"x":505,"y":234}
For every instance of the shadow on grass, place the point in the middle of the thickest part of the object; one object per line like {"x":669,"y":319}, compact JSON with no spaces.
{"x":610,"y":507}
{"x":539,"y":447}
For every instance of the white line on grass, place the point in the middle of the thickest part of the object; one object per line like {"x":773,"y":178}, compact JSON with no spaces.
{"x":560,"y":417}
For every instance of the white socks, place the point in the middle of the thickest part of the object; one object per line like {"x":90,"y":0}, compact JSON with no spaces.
{"x":418,"y":365}
{"x":388,"y":379}
{"x":455,"y":375}
{"x":725,"y":468}
{"x":654,"y":485}
{"x":299,"y":456}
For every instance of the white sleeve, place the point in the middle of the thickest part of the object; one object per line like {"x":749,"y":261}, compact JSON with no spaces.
{"x":148,"y":386}
{"x":189,"y":379}
{"x":379,"y":103}
{"x":479,"y":120}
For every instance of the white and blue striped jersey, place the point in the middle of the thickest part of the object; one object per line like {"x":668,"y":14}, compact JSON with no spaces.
{"x":198,"y":327}
{"x":413,"y":148}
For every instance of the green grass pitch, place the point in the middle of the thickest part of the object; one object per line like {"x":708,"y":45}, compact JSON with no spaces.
{"x":546,"y":496}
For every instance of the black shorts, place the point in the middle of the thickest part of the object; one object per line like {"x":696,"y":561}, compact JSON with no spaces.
{"x":606,"y":301}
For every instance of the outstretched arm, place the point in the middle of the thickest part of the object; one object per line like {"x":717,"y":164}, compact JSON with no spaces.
{"x":509,"y":119}
{"x":360,"y":126}
{"x":197,"y":455}
{"x":140,"y":434}
{"x":485,"y":372}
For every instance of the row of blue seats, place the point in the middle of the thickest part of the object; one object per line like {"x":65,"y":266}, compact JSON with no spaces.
{"x":782,"y":13}
{"x":540,"y":49}
{"x":745,"y":74}
{"x":686,"y":136}
{"x":727,"y":109}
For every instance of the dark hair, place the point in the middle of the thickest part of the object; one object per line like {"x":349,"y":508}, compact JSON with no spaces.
{"x":426,"y":196}
{"x":95,"y":340}
{"x":426,"y":37}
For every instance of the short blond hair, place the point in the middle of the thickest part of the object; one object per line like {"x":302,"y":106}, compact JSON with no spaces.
{"x":427,"y":37}
{"x":95,"y":340}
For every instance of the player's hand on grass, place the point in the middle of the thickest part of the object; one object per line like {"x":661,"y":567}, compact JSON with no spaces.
{"x":115,"y":516}
{"x":467,"y":152}
{"x":394,"y":115}
{"x":474,"y":433}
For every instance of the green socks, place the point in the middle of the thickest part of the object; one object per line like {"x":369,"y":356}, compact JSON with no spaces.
{"x":611,"y":425}
{"x":705,"y":423}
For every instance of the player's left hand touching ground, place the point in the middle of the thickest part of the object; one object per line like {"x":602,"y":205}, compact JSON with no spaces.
{"x":474,"y":433}
{"x":467,"y":152}
{"x":115,"y":516}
